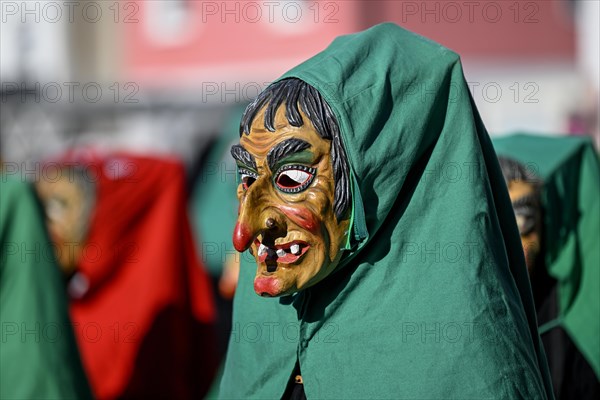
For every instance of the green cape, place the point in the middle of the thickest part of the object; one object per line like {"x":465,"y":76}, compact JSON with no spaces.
{"x":435,"y":303}
{"x":570,"y":172}
{"x":38,"y":354}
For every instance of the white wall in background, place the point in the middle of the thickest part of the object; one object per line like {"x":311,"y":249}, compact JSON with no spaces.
{"x":588,"y":39}
{"x":533,"y":98}
{"x":33,"y":42}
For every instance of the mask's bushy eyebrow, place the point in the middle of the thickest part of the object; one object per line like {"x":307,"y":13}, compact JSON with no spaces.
{"x":284,"y":149}
{"x":240,"y":154}
{"x":525,"y":201}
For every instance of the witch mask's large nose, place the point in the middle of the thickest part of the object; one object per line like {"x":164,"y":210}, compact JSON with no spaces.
{"x":245,"y":232}
{"x":257,"y":214}
{"x":242,"y":236}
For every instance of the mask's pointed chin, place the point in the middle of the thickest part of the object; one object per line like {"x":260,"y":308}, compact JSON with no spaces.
{"x":267,"y":286}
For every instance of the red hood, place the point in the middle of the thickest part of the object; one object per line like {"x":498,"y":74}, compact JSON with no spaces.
{"x":144,"y":324}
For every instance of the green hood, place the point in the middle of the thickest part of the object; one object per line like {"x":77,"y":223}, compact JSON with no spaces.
{"x":38,"y":354}
{"x":570,"y":172}
{"x":435,"y":301}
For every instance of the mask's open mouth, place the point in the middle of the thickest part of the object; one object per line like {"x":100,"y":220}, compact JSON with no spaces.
{"x":285,"y":253}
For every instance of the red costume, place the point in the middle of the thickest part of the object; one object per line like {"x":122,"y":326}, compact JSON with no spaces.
{"x":145,"y":314}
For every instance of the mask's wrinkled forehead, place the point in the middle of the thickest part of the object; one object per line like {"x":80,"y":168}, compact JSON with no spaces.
{"x":303,"y":104}
{"x":527,"y":212}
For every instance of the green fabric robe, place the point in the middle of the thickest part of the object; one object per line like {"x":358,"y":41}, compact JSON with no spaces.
{"x":434,"y":301}
{"x":38,"y":354}
{"x":570,"y":171}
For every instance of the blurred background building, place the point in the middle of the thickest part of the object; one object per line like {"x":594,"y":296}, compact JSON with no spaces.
{"x":161,"y":75}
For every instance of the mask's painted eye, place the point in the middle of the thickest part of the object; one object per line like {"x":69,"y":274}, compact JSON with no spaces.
{"x":247,"y":177}
{"x":525,"y":222}
{"x":526,"y":213}
{"x":56,"y":208}
{"x":294,"y":178}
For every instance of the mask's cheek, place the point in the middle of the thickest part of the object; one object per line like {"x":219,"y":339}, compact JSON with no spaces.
{"x":314,"y":215}
{"x":531,"y":249}
{"x":303,"y":217}
{"x":320,"y":227}
{"x":338,"y":236}
{"x":240,"y":193}
{"x":314,"y":262}
{"x":334,"y":232}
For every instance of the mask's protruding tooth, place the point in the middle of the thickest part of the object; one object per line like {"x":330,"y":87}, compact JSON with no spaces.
{"x":262,"y":249}
{"x":280,"y":253}
{"x":295,"y":249}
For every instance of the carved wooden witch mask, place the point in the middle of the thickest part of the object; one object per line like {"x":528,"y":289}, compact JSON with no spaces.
{"x":68,"y":197}
{"x":524,"y":191}
{"x":294,"y":191}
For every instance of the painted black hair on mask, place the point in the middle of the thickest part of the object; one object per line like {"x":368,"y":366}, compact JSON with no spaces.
{"x":515,"y":171}
{"x":297,"y":94}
